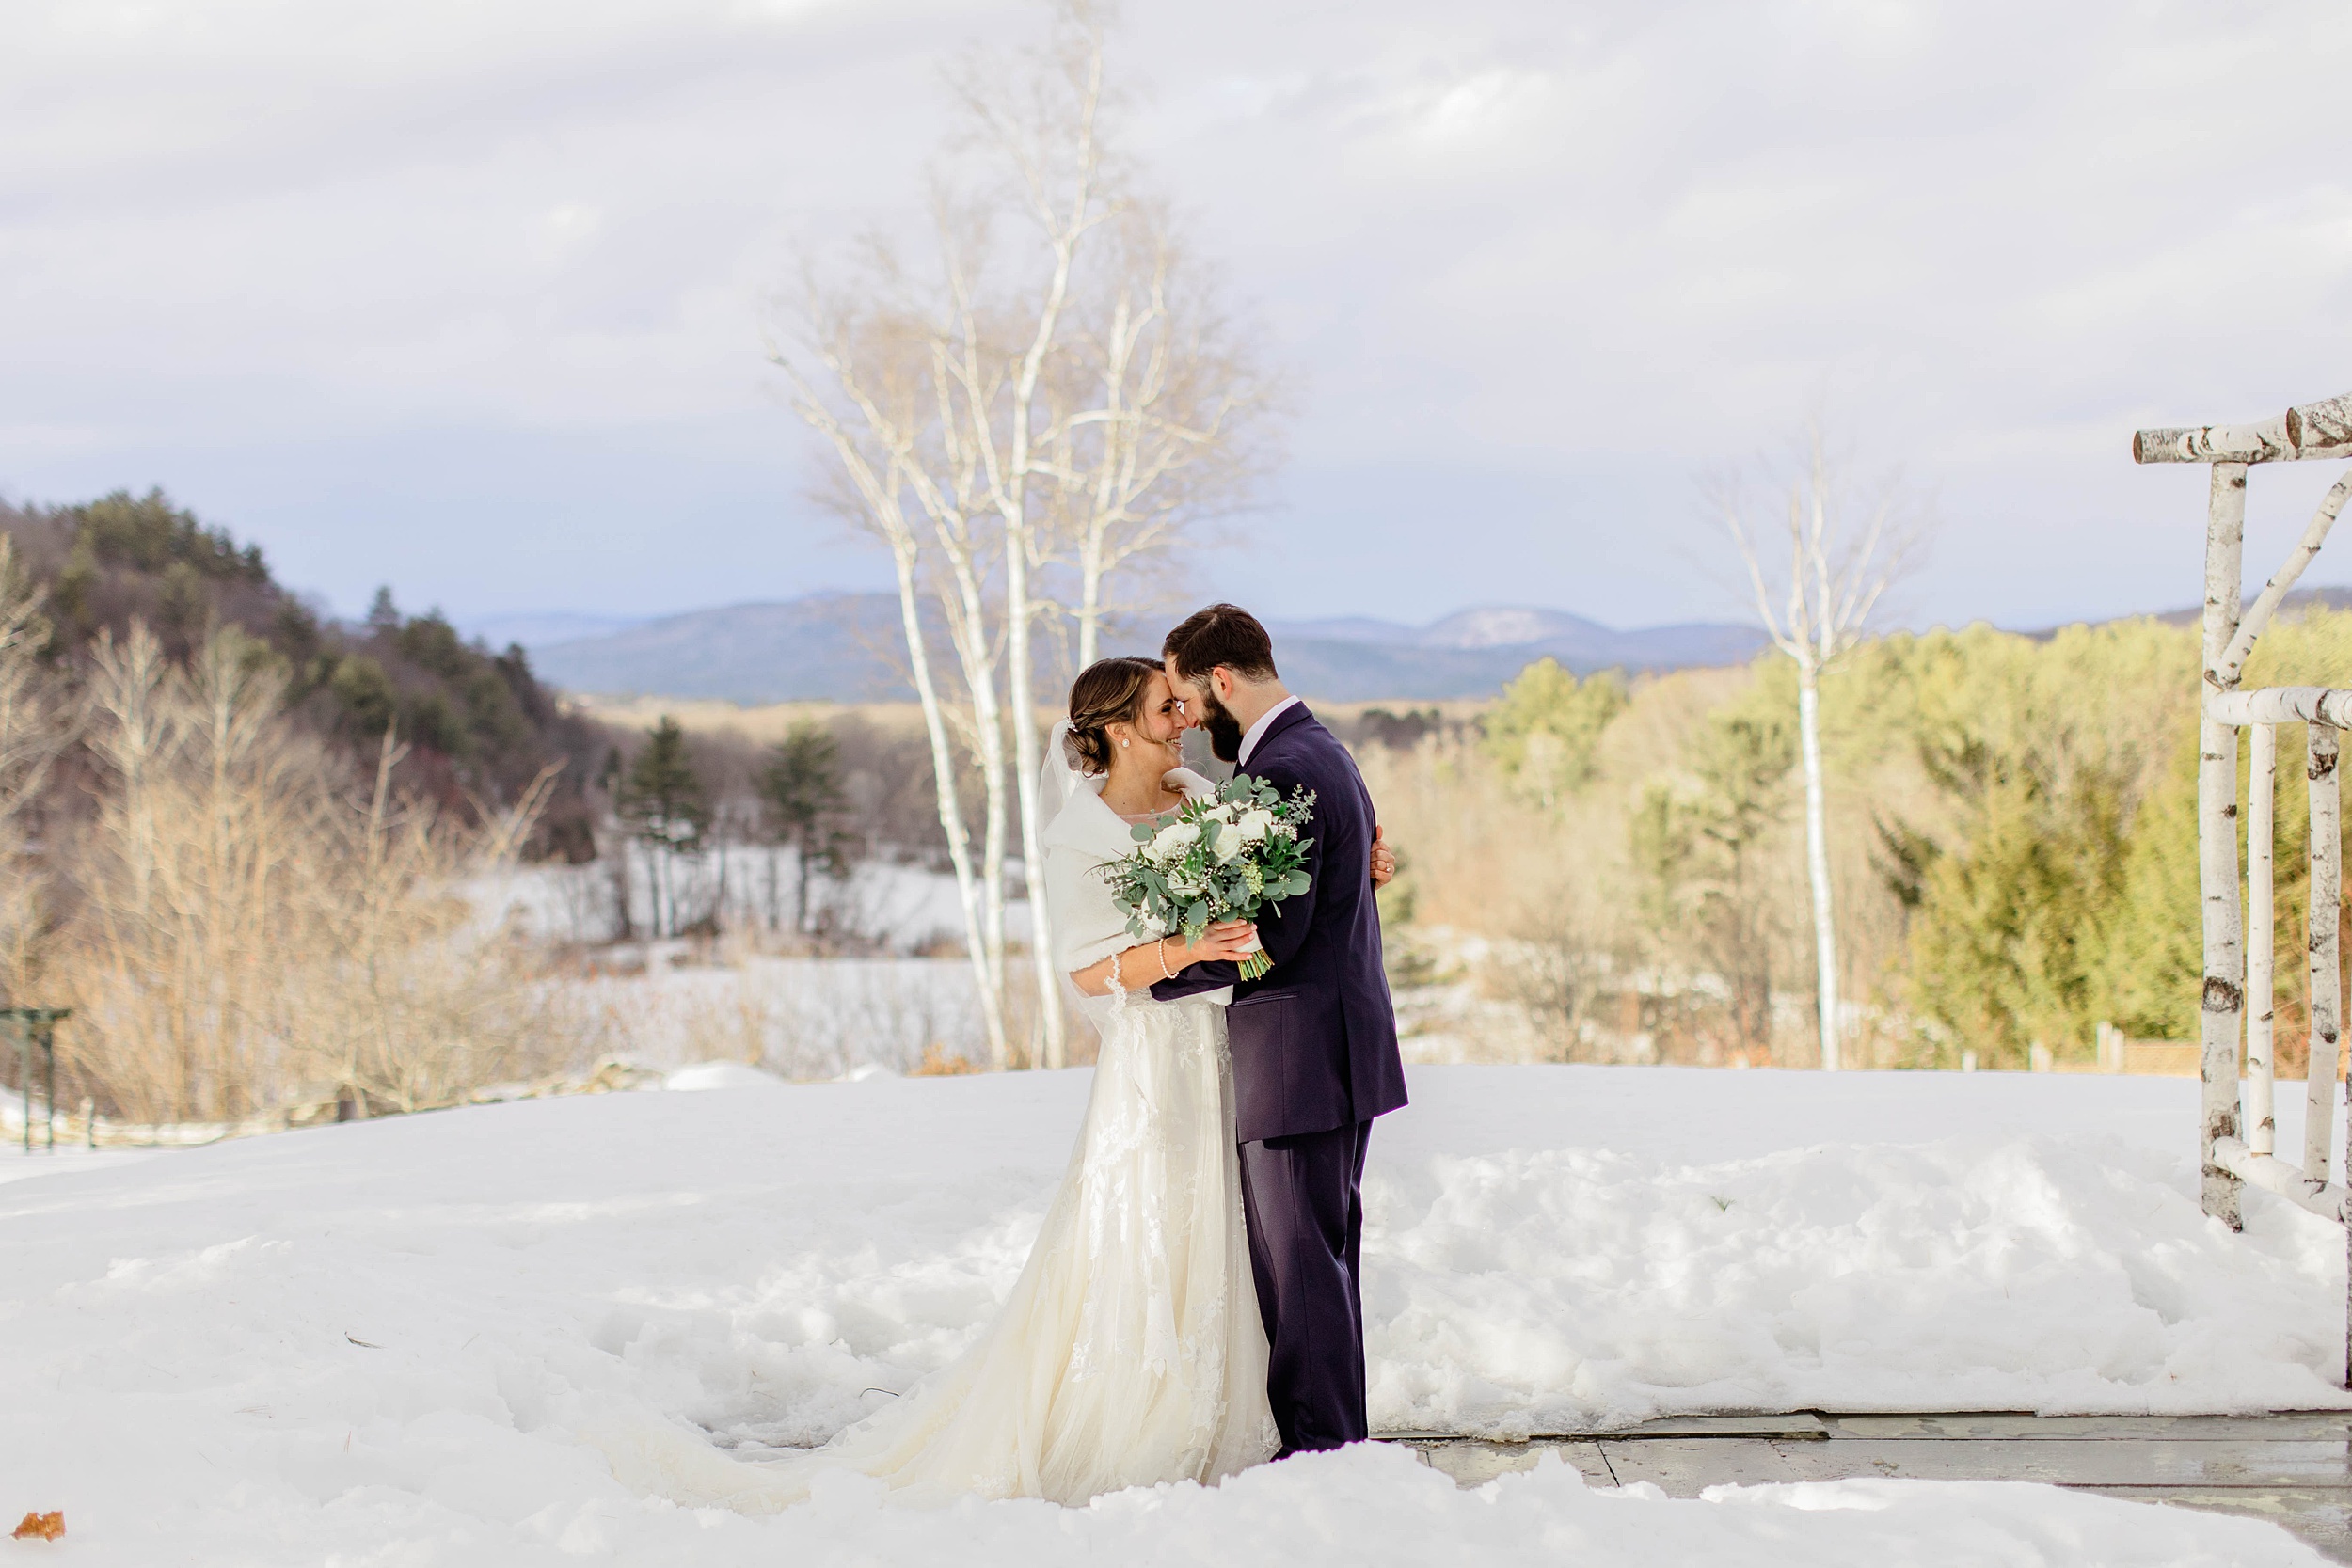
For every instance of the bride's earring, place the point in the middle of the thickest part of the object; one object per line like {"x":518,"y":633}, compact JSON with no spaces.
{"x":1122,"y":745}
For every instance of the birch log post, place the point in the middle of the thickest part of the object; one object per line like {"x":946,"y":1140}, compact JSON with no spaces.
{"x":2224,"y":995}
{"x":2327,"y":973}
{"x":2282,"y":704}
{"x":2321,"y":429}
{"x":2327,"y":982}
{"x":2315,"y":427}
{"x":2262,"y":1132}
{"x":2257,"y":616}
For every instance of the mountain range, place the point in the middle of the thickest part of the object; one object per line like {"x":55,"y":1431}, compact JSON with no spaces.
{"x":845,"y":647}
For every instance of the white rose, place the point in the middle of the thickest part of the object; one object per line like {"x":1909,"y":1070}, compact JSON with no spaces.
{"x":1171,"y":841}
{"x":1255,"y":824}
{"x":1229,"y":843}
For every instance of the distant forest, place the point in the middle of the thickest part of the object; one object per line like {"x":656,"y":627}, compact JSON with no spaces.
{"x":478,"y":725}
{"x":244,"y":840}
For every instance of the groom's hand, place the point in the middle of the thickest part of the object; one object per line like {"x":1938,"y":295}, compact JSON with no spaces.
{"x":1383,"y":859}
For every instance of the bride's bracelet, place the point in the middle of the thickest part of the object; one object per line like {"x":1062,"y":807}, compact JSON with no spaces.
{"x":1159,"y":951}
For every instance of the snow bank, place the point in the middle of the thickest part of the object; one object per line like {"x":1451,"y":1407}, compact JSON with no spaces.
{"x":705,"y":1076}
{"x":380,"y":1342}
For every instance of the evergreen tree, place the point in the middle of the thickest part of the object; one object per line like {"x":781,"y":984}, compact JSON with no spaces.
{"x":664,"y":808}
{"x":2013,"y":920}
{"x":1699,"y":853}
{"x":801,"y":788}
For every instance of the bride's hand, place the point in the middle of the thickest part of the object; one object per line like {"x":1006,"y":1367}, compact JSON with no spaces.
{"x":1229,"y":940}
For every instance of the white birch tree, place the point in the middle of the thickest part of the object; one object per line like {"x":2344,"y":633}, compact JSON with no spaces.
{"x":882,"y":368}
{"x":1164,"y":418}
{"x":1020,"y":421}
{"x":1817,"y":581}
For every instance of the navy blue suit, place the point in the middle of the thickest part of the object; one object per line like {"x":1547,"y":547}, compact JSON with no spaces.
{"x":1314,"y":1060}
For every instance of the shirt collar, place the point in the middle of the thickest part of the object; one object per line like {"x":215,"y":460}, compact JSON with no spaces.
{"x":1257,"y":731}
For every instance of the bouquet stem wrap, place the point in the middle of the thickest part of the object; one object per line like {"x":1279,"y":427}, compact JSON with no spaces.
{"x":1257,"y":963}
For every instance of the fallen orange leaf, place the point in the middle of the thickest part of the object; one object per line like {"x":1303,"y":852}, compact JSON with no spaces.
{"x":41,"y":1526}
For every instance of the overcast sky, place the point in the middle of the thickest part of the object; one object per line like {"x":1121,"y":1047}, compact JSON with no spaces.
{"x":464,"y":296}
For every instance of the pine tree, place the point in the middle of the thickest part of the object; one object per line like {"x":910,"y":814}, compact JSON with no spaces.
{"x":801,"y":788}
{"x":664,"y":808}
{"x":1699,"y":853}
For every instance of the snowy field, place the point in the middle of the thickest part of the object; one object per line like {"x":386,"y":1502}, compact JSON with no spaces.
{"x":527,"y":1333}
{"x":905,"y":909}
{"x":799,"y":1019}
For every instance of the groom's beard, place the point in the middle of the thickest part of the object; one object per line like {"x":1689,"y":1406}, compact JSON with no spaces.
{"x":1225,"y":731}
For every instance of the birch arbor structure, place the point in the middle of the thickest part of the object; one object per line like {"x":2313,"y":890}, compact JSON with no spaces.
{"x":2238,"y":956}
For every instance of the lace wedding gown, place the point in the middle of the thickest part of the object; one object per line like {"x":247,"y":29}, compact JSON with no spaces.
{"x":1131,"y":1351}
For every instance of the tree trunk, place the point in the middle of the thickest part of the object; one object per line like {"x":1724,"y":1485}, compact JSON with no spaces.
{"x":1018,"y":615}
{"x":1816,"y":861}
{"x":624,"y":891}
{"x":2326,"y":970}
{"x":950,"y":809}
{"x":1090,"y":598}
{"x":2261,"y":1129}
{"x":990,"y":722}
{"x":800,"y":879}
{"x":2223,"y":999}
{"x":719,"y":898}
{"x":963,"y":600}
{"x":776,"y":909}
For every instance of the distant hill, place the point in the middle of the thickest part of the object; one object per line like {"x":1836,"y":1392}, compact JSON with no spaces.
{"x":1471,"y":652}
{"x":538,"y":629}
{"x":839,"y":647}
{"x":2297,"y":599}
{"x":845,"y":647}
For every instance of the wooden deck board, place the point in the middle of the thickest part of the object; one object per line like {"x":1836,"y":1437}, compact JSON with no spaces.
{"x":2294,"y":1469}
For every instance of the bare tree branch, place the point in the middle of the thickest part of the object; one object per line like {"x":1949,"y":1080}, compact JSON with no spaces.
{"x":1816,"y":604}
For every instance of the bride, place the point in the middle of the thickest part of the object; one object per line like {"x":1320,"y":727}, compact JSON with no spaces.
{"x":1131,"y":1351}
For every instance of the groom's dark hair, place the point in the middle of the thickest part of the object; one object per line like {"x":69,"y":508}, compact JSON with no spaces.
{"x":1222,"y":634}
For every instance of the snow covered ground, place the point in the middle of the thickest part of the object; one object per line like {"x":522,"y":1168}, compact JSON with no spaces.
{"x":424,"y":1340}
{"x":799,"y":1017}
{"x":906,"y":908}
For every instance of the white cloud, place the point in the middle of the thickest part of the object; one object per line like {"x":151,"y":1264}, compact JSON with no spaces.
{"x":1539,"y":264}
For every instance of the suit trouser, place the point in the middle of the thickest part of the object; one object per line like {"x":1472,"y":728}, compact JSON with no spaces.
{"x":1305,"y":1200}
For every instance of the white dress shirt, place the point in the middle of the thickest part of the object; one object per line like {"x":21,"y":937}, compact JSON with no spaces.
{"x":1257,"y":731}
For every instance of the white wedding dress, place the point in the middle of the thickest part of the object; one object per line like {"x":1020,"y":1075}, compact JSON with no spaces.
{"x":1131,"y":1351}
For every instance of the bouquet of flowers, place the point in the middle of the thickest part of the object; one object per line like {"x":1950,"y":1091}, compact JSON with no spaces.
{"x":1212,"y":861}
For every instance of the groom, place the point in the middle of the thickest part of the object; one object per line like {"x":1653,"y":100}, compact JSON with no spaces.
{"x":1313,"y":1038}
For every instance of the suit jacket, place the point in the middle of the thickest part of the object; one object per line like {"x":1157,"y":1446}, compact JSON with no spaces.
{"x":1314,"y":1037}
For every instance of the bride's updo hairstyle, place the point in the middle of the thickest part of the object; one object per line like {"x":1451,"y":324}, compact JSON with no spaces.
{"x":1108,"y":691}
